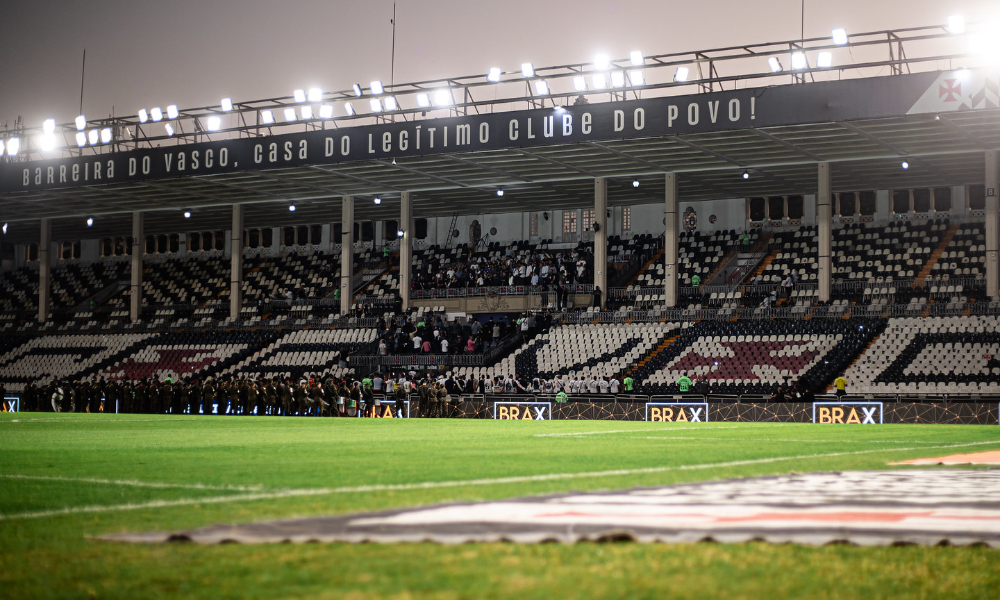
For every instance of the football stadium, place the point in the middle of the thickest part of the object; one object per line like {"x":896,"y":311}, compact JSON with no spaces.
{"x":427,"y":339}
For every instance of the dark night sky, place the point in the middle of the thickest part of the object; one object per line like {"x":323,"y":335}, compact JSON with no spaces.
{"x":194,"y":52}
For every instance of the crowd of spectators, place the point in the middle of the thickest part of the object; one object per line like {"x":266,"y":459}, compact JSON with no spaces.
{"x":515,"y":267}
{"x":459,"y":336}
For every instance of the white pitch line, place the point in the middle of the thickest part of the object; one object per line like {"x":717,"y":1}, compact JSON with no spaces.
{"x":728,"y":439}
{"x":137,"y":483}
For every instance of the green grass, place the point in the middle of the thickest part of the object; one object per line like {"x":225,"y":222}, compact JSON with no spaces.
{"x":57,"y":555}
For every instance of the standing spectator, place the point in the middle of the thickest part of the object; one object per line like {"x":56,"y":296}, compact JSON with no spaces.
{"x":745,"y":242}
{"x":597,"y":298}
{"x":684,"y":383}
{"x":696,"y":281}
{"x":841,"y":384}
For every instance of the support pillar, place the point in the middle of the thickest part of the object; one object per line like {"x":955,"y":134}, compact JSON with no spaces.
{"x":236,"y":263}
{"x":138,"y":247}
{"x":346,"y":254}
{"x":671,"y":235}
{"x":44,"y":270}
{"x":992,"y":224}
{"x":824,"y":222}
{"x":405,"y":246}
{"x":601,"y":237}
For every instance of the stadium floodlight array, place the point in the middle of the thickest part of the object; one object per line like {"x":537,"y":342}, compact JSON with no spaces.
{"x":681,"y":74}
{"x":227,"y":104}
{"x":299,"y":96}
{"x":494,"y":75}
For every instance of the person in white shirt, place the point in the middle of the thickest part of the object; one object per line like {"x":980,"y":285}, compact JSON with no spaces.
{"x":444,"y":346}
{"x":615,"y":386}
{"x":417,"y":341}
{"x":574,"y":386}
{"x":602,"y":383}
{"x":548,"y":386}
{"x":557,"y":384}
{"x":593,"y":385}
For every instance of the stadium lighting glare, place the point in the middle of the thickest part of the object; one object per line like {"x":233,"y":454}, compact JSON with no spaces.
{"x":824,"y":60}
{"x":956,"y":24}
{"x":187,"y":214}
{"x":81,"y":123}
{"x":599,"y":81}
{"x":90,"y":221}
{"x":636,"y":78}
{"x":81,"y":139}
{"x":299,"y":95}
{"x":349,"y":109}
{"x":746,"y":174}
{"x":49,"y":126}
{"x":156,"y":114}
{"x":775,"y":64}
{"x":172,"y":112}
{"x":227,"y":104}
{"x":47,"y":142}
{"x":541,"y":87}
{"x":289,"y":115}
{"x":315,"y":94}
{"x":291,"y":208}
{"x":527,"y":69}
{"x":399,"y":233}
{"x":602,"y":62}
{"x":378,"y":200}
{"x":423,"y":100}
{"x":106,"y":135}
{"x":143,"y":115}
{"x":93,"y":136}
{"x":617,"y":79}
{"x":266,"y":117}
{"x":376,"y":87}
{"x":839,"y":36}
{"x":905,"y":165}
{"x":500,"y":193}
{"x":636,"y":58}
{"x":307,"y":112}
{"x":214,"y":123}
{"x":170,"y":130}
{"x":580,"y":83}
{"x":681,"y":74}
{"x":5,"y":229}
{"x":375,"y":104}
{"x":390,"y":103}
{"x":326,"y":111}
{"x":443,"y":98}
{"x":799,"y":61}
{"x":494,"y":74}
{"x":635,"y":183}
{"x":357,"y":90}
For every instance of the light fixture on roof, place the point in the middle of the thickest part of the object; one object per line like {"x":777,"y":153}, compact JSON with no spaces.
{"x":214,"y":123}
{"x":81,"y":139}
{"x":527,"y":69}
{"x":47,"y":142}
{"x":839,"y":36}
{"x":266,"y":117}
{"x":376,"y":87}
{"x":357,"y":90}
{"x":541,"y":87}
{"x":315,"y":94}
{"x":423,"y":100}
{"x":602,"y":62}
{"x":494,"y":74}
{"x":635,"y":183}
{"x":326,"y":111}
{"x":49,"y":126}
{"x":172,"y":112}
{"x":143,"y":115}
{"x":390,"y":103}
{"x":187,"y":214}
{"x":93,"y":136}
{"x":746,"y":174}
{"x":170,"y":130}
{"x":299,"y":95}
{"x":599,"y":81}
{"x":289,"y":115}
{"x":636,"y":78}
{"x":156,"y":114}
{"x":375,"y":104}
{"x":90,"y":221}
{"x":681,"y":74}
{"x":399,"y":233}
{"x":905,"y":165}
{"x":81,"y":123}
{"x":227,"y":104}
{"x":580,"y":83}
{"x":291,"y":208}
{"x":106,"y":135}
{"x":956,"y":24}
{"x":617,"y":79}
{"x":5,"y":229}
{"x":775,"y":64}
{"x":824,"y":60}
{"x":307,"y":112}
{"x":349,"y":109}
{"x":500,"y":192}
{"x":13,"y":146}
{"x":636,"y":58}
{"x":799,"y":61}
{"x":443,"y":98}
{"x":378,"y":200}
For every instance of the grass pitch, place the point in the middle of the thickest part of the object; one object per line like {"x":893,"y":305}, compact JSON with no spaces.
{"x":67,"y":478}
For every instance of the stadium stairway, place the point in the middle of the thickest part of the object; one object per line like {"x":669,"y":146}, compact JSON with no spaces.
{"x":652,"y":355}
{"x":657,"y":256}
{"x":921,"y":279}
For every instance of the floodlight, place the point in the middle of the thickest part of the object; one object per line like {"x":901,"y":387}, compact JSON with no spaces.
{"x":527,"y":69}
{"x":839,"y":36}
{"x":90,"y":221}
{"x":824,"y":60}
{"x":170,"y":130}
{"x":599,"y":81}
{"x":399,"y":233}
{"x":500,"y":192}
{"x":746,"y":174}
{"x":637,"y":59}
{"x":602,"y":62}
{"x":187,"y":214}
{"x":580,"y":83}
{"x":143,"y":116}
{"x":799,"y":61}
{"x":81,"y":139}
{"x":307,"y":112}
{"x":5,"y":229}
{"x":681,"y":74}
{"x":617,"y":79}
{"x":635,"y":183}
{"x":775,"y":64}
{"x":541,"y":87}
{"x":289,"y":115}
{"x":81,"y":123}
{"x":291,"y":208}
{"x":636,"y":78}
{"x":905,"y":165}
{"x":214,"y":123}
{"x":443,"y":98}
{"x":494,"y":74}
{"x":227,"y":104}
{"x":349,"y":109}
{"x":390,"y":103}
{"x":315,"y":94}
{"x":172,"y":112}
{"x":376,"y":87}
{"x":956,"y":24}
{"x":156,"y":113}
{"x":106,"y":135}
{"x":326,"y":111}
{"x":47,"y":141}
{"x":49,"y":126}
{"x":423,"y":100}
{"x":375,"y":104}
{"x":378,"y":200}
{"x":299,"y":95}
{"x":93,"y":136}
{"x":266,"y":117}
{"x":357,"y":90}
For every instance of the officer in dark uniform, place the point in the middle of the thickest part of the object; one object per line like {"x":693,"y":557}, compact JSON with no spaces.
{"x":400,"y":395}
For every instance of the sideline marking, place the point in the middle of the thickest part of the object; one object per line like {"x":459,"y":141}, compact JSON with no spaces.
{"x":468,"y":482}
{"x":766,"y":439}
{"x":137,"y":483}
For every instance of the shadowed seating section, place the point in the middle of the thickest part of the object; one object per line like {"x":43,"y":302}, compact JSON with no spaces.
{"x":316,"y":352}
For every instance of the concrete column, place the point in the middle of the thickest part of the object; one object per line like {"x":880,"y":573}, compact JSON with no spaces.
{"x":44,"y":270}
{"x":672,"y":233}
{"x":601,"y":237}
{"x":236,"y":263}
{"x":138,"y":247}
{"x":992,"y":223}
{"x":824,"y":223}
{"x":405,"y":246}
{"x":346,"y":254}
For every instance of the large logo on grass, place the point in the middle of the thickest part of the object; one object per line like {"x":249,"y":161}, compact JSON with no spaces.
{"x":753,"y":361}
{"x":847,"y":413}
{"x":522,"y":411}
{"x":677,"y":412}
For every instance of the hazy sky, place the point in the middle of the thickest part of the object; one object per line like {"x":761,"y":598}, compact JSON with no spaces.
{"x":194,"y":52}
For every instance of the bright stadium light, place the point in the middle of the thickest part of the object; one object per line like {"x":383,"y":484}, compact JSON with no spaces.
{"x":541,"y":88}
{"x":47,"y":142}
{"x":527,"y":69}
{"x":81,"y":139}
{"x":824,"y":60}
{"x":500,"y":193}
{"x":289,"y":115}
{"x":443,"y":98}
{"x":156,"y":114}
{"x":375,"y":104}
{"x":315,"y":94}
{"x":423,"y":100}
{"x":307,"y":112}
{"x":13,"y":146}
{"x":799,"y":61}
{"x":839,"y":36}
{"x":746,"y":174}
{"x":636,"y":58}
{"x":227,"y":104}
{"x":635,"y":183}
{"x":775,"y":64}
{"x":326,"y":111}
{"x":299,"y":96}
{"x":5,"y":229}
{"x":214,"y":123}
{"x":143,"y":115}
{"x":617,"y":79}
{"x":378,"y":200}
{"x":391,"y":104}
{"x":681,"y":74}
{"x":266,"y":117}
{"x":599,"y":81}
{"x":349,"y":109}
{"x":905,"y":165}
{"x":580,"y":83}
{"x":494,"y":74}
{"x":357,"y":89}
{"x":187,"y":214}
{"x":49,"y":126}
{"x":93,"y":136}
{"x":81,"y":123}
{"x":291,"y":208}
{"x":399,"y":233}
{"x":376,"y":87}
{"x":172,"y":112}
{"x":636,"y":78}
{"x":90,"y":221}
{"x":602,"y":62}
{"x":106,"y":135}
{"x":170,"y":130}
{"x":956,"y":24}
